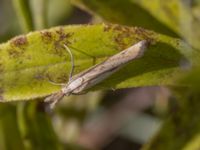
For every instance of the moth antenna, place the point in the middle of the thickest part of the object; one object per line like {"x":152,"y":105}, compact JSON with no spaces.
{"x":71,"y":71}
{"x":93,"y":57}
{"x":72,"y":61}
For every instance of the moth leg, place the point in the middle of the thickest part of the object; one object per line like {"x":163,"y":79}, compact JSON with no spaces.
{"x":72,"y":61}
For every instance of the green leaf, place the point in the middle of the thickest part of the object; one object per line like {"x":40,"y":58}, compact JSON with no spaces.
{"x":173,"y":17}
{"x":28,"y":62}
{"x":10,"y":137}
{"x":36,"y":127}
{"x":126,"y":12}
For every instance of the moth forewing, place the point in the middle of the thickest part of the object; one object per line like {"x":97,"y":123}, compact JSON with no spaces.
{"x":99,"y":72}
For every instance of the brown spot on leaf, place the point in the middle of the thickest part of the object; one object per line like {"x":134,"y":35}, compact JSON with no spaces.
{"x":13,"y":53}
{"x":123,"y":34}
{"x":63,"y":38}
{"x":19,"y":41}
{"x":144,"y":34}
{"x":126,"y":34}
{"x":107,"y":27}
{"x":118,"y":27}
{"x":46,"y":36}
{"x":123,"y":29}
{"x":40,"y":75}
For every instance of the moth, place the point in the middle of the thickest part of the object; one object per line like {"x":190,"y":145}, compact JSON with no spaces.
{"x":99,"y":72}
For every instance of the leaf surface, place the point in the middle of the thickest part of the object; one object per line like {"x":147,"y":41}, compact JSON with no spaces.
{"x":173,"y":17}
{"x":28,"y":62}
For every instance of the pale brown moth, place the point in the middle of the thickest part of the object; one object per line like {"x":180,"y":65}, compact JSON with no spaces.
{"x":97,"y":73}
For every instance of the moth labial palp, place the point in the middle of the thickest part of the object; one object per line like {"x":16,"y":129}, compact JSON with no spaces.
{"x":98,"y":72}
